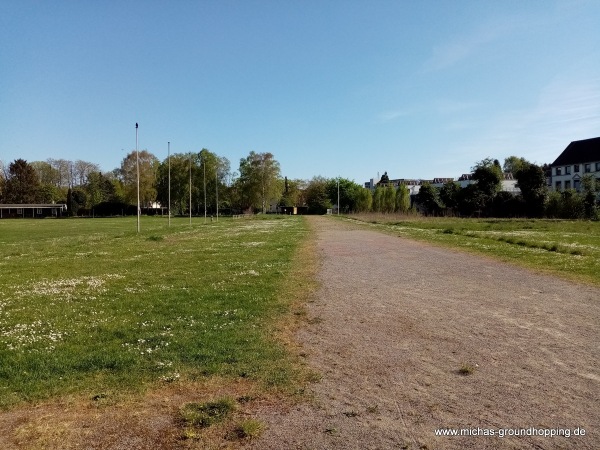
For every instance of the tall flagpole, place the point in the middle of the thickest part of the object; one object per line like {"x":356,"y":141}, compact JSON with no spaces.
{"x":137,"y":160}
{"x":204,"y":167}
{"x":190,"y":188}
{"x":169,"y":157}
{"x":338,"y":195}
{"x":217,"y":189}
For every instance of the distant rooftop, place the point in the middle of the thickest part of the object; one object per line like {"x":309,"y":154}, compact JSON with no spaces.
{"x":577,"y":152}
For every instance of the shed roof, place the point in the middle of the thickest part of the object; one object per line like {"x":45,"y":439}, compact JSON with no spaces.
{"x":578,"y":152}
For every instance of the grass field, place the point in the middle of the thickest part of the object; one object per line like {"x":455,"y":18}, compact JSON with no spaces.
{"x":90,"y":306}
{"x":569,"y":249}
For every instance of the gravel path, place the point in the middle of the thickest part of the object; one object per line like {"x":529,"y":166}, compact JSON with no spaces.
{"x":395,"y":321}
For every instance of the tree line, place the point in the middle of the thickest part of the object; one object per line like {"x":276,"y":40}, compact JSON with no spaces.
{"x":205,"y":182}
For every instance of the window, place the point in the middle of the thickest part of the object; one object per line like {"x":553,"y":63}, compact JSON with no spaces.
{"x":587,"y":168}
{"x":39,"y":211}
{"x":559,"y":171}
{"x":558,"y":185}
{"x":567,"y":184}
{"x":598,"y":167}
{"x":567,"y":170}
{"x":19,"y":211}
{"x":576,"y":168}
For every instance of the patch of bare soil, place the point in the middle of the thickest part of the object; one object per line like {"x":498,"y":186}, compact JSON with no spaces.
{"x":140,"y":422}
{"x":410,"y":338}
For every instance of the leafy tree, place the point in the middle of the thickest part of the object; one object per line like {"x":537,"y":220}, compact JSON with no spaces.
{"x":389,"y":199}
{"x":532,"y":182}
{"x":211,"y":175}
{"x":378,"y":196}
{"x":428,"y":198}
{"x":471,"y":200}
{"x":180,"y":184}
{"x":317,"y":198}
{"x":364,"y":200}
{"x":348,"y":193}
{"x":449,"y":194}
{"x":572,"y":206}
{"x":513,"y":163}
{"x":258,"y":181}
{"x":488,"y":175}
{"x":590,"y":186}
{"x":76,"y":200}
{"x":99,"y":189}
{"x":148,"y":165}
{"x":293,"y":193}
{"x":402,"y":199}
{"x":22,"y":183}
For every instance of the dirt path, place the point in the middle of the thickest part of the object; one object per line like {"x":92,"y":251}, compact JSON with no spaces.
{"x":396,"y":320}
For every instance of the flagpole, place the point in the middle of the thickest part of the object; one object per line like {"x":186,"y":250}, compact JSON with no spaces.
{"x":137,"y":160}
{"x":169,"y":157}
{"x":204,"y":166}
{"x":217,"y":189}
{"x":190,"y":188}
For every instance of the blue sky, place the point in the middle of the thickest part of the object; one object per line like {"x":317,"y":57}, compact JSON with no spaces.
{"x":419,"y":89}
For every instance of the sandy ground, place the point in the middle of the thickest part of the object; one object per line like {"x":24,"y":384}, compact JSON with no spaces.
{"x":396,"y":320}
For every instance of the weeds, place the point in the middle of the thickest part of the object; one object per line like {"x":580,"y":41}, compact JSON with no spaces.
{"x":249,"y":429}
{"x":204,"y":415}
{"x":466,"y":369}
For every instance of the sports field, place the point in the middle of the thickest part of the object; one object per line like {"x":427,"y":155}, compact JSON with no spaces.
{"x":90,"y":306}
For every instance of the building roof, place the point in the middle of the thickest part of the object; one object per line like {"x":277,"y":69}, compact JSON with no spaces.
{"x":578,"y":152}
{"x":33,"y":206}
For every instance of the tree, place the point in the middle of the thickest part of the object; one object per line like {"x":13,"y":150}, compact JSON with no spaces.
{"x":3,"y":176}
{"x":389,"y":199}
{"x":532,"y":182}
{"x":317,"y":198}
{"x":348,"y":193}
{"x":428,"y":198}
{"x":449,"y":195}
{"x":488,"y":176}
{"x":402,"y":199}
{"x":22,"y":183}
{"x":293,"y":193}
{"x":76,"y":200}
{"x":99,"y":189}
{"x":377,"y":202}
{"x":212,"y":173}
{"x":148,"y":164}
{"x":590,"y":186}
{"x":513,"y":163}
{"x":364,"y":200}
{"x":81,"y":170}
{"x":258,"y":182}
{"x":180,"y":182}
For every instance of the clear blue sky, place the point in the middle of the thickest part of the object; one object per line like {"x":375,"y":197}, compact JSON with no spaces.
{"x":419,"y":89}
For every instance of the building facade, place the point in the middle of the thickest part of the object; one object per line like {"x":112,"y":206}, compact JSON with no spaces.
{"x":580,"y":158}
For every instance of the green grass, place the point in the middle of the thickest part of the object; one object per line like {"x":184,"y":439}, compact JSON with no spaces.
{"x":567,"y":248}
{"x":89,"y":306}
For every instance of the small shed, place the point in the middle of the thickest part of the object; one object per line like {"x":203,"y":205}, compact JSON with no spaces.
{"x":38,"y":211}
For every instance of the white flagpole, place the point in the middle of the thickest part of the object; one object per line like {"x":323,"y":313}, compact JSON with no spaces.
{"x":190,"y":188}
{"x":137,"y":159}
{"x":169,"y":157}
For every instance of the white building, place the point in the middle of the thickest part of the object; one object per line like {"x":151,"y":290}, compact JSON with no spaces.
{"x":578,"y":159}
